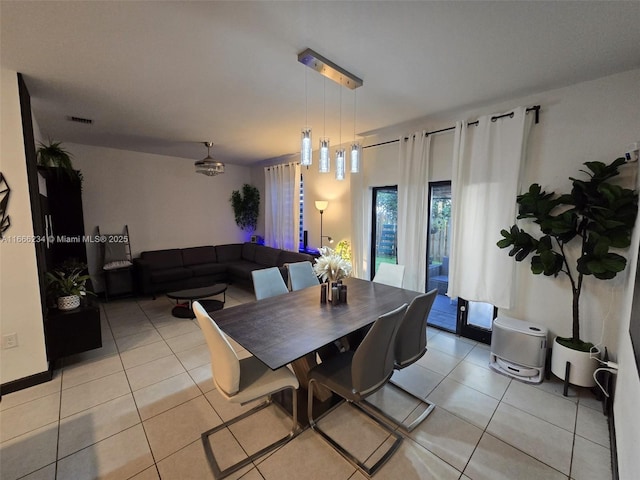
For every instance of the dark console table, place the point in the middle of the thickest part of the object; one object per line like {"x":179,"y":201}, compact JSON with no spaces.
{"x":72,"y":331}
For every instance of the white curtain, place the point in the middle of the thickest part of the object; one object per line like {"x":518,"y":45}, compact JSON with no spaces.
{"x":360,"y":226}
{"x":485,"y":182}
{"x":282,"y":206}
{"x":413,"y":209}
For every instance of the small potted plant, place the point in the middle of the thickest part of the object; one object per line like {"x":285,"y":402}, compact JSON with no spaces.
{"x":596,"y":216}
{"x":55,"y":157}
{"x":67,"y":284}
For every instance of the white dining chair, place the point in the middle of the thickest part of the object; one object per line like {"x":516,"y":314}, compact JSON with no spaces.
{"x":301,"y":275}
{"x":268,"y":282}
{"x":242,"y":381}
{"x":390,"y":274}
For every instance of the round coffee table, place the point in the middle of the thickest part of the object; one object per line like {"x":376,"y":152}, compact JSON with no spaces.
{"x":183,"y":310}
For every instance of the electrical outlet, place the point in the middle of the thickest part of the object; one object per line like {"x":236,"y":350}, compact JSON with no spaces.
{"x":10,"y":340}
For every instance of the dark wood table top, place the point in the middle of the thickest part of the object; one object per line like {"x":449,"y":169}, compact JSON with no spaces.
{"x":279,"y":330}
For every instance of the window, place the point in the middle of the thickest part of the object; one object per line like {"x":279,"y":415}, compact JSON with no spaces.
{"x":302,"y":245}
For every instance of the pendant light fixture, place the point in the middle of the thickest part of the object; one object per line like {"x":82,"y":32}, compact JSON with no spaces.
{"x":346,"y":79}
{"x":356,"y":148}
{"x":208,"y":166}
{"x":340,"y":153}
{"x":306,"y":157}
{"x":324,"y":164}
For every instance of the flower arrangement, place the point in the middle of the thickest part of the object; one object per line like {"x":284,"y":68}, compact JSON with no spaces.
{"x":331,"y":266}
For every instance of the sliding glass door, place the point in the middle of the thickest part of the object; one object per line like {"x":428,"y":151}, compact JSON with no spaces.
{"x":444,"y":310}
{"x":468,"y":319}
{"x":384,"y":226}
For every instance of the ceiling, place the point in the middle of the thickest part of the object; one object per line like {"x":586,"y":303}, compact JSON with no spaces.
{"x":160,"y":77}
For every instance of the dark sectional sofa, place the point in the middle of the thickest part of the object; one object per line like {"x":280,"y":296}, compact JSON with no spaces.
{"x":160,"y":271}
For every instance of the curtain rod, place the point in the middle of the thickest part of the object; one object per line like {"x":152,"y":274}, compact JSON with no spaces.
{"x":535,"y":108}
{"x":283,"y":164}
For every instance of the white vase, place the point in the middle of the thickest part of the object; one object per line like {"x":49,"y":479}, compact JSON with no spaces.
{"x":69,"y":302}
{"x":582,"y":366}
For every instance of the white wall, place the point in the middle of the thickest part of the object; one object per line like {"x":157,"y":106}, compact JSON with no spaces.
{"x":589,"y":121}
{"x":336,"y":220}
{"x":628,"y":382}
{"x":20,"y":306}
{"x":162,"y":200}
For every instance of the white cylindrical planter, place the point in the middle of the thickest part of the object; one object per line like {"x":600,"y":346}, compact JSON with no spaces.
{"x":582,"y":366}
{"x":69,"y":302}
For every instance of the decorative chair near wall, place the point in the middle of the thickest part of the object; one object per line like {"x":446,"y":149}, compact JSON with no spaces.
{"x":356,"y":375}
{"x":242,"y":381}
{"x":115,"y":252}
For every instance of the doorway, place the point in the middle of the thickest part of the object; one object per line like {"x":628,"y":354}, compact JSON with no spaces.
{"x":384,"y":226}
{"x":444,"y":311}
{"x":456,"y":315}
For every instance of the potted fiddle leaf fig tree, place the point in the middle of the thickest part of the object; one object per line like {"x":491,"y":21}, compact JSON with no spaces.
{"x":596,"y":216}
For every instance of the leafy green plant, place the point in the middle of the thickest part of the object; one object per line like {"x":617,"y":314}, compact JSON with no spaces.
{"x":246,"y":206}
{"x":597,"y":215}
{"x":68,"y":279}
{"x":53,"y":155}
{"x":344,"y":249}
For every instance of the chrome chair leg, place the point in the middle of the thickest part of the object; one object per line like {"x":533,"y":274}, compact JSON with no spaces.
{"x":219,"y":474}
{"x":406,"y":427}
{"x":368,"y":471}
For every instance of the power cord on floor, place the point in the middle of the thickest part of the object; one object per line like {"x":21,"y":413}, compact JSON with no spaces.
{"x":611,"y":367}
{"x":594,"y":352}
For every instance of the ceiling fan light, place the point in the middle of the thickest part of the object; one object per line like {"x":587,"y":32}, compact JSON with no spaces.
{"x":208,"y":166}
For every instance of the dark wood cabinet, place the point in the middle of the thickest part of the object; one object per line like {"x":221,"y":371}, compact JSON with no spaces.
{"x":56,"y":208}
{"x":61,"y":205}
{"x":72,"y":331}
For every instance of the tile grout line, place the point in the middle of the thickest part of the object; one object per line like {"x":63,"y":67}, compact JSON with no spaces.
{"x":573,"y":441}
{"x":484,"y":430}
{"x":518,"y":449}
{"x":144,"y":430}
{"x":55,"y":469}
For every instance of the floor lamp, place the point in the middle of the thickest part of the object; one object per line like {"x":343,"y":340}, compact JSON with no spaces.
{"x":321,"y":205}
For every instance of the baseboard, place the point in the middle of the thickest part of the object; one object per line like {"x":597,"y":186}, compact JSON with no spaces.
{"x":26,"y":382}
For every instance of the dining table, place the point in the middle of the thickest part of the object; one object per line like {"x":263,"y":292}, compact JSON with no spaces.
{"x":290,"y":328}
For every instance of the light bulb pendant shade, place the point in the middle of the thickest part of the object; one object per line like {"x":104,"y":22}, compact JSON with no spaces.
{"x":305,"y":148}
{"x":356,"y":153}
{"x":340,"y":164}
{"x":324,"y":165}
{"x":208,"y":166}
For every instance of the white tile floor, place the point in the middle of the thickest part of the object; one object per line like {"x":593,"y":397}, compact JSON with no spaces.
{"x":136,"y":407}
